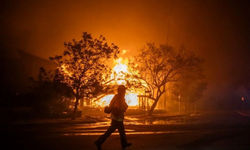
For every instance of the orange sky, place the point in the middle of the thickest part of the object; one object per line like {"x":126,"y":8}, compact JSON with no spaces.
{"x":217,"y":30}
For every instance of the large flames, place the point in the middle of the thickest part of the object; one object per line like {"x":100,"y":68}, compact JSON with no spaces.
{"x":118,"y":78}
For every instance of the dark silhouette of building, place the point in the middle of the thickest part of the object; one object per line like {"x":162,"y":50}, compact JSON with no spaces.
{"x":17,"y":67}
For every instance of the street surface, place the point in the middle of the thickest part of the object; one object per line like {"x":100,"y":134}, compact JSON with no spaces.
{"x":204,"y":131}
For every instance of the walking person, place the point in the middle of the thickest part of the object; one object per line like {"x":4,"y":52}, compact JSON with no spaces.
{"x":118,"y":106}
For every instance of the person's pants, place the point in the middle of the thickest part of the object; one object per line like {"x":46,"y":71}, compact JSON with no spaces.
{"x":114,"y":125}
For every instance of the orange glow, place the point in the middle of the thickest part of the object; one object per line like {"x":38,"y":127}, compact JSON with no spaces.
{"x":119,"y":71}
{"x":65,"y":70}
{"x":118,"y":77}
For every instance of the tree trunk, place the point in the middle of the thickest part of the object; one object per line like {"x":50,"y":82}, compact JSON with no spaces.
{"x":75,"y":109}
{"x":150,"y":112}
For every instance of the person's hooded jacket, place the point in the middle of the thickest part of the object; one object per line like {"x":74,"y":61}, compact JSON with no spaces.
{"x":118,"y":106}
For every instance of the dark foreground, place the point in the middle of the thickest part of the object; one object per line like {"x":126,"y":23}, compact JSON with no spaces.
{"x":216,"y":131}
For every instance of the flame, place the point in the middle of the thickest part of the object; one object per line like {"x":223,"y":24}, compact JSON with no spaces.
{"x":119,"y":71}
{"x":64,"y":68}
{"x":118,"y":77}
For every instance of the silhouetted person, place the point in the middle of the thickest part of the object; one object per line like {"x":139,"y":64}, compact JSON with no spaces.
{"x":118,"y":107}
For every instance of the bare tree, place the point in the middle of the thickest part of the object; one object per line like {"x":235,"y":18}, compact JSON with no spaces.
{"x":156,"y":66}
{"x":83,"y":66}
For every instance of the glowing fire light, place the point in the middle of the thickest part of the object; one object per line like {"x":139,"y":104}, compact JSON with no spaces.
{"x":131,"y":99}
{"x":64,"y":68}
{"x":118,"y":72}
{"x":119,"y":78}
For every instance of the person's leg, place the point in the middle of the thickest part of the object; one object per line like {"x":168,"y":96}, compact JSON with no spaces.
{"x":123,"y":137}
{"x":109,"y":131}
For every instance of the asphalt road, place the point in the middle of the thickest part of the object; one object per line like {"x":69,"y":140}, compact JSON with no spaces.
{"x":212,"y":130}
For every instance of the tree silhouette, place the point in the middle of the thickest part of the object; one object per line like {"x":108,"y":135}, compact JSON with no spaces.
{"x":83,"y":66}
{"x":154,"y":67}
{"x":48,"y":95}
{"x":190,"y":89}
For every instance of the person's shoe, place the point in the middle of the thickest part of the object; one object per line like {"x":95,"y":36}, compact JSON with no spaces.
{"x":126,"y":145}
{"x":98,"y":145}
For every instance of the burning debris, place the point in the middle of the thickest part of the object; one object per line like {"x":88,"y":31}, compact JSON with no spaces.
{"x":118,"y":77}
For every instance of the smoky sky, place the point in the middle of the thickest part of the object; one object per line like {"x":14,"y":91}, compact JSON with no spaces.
{"x":216,"y":30}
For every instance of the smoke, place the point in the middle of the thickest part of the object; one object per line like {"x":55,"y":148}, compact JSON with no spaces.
{"x":218,"y":31}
